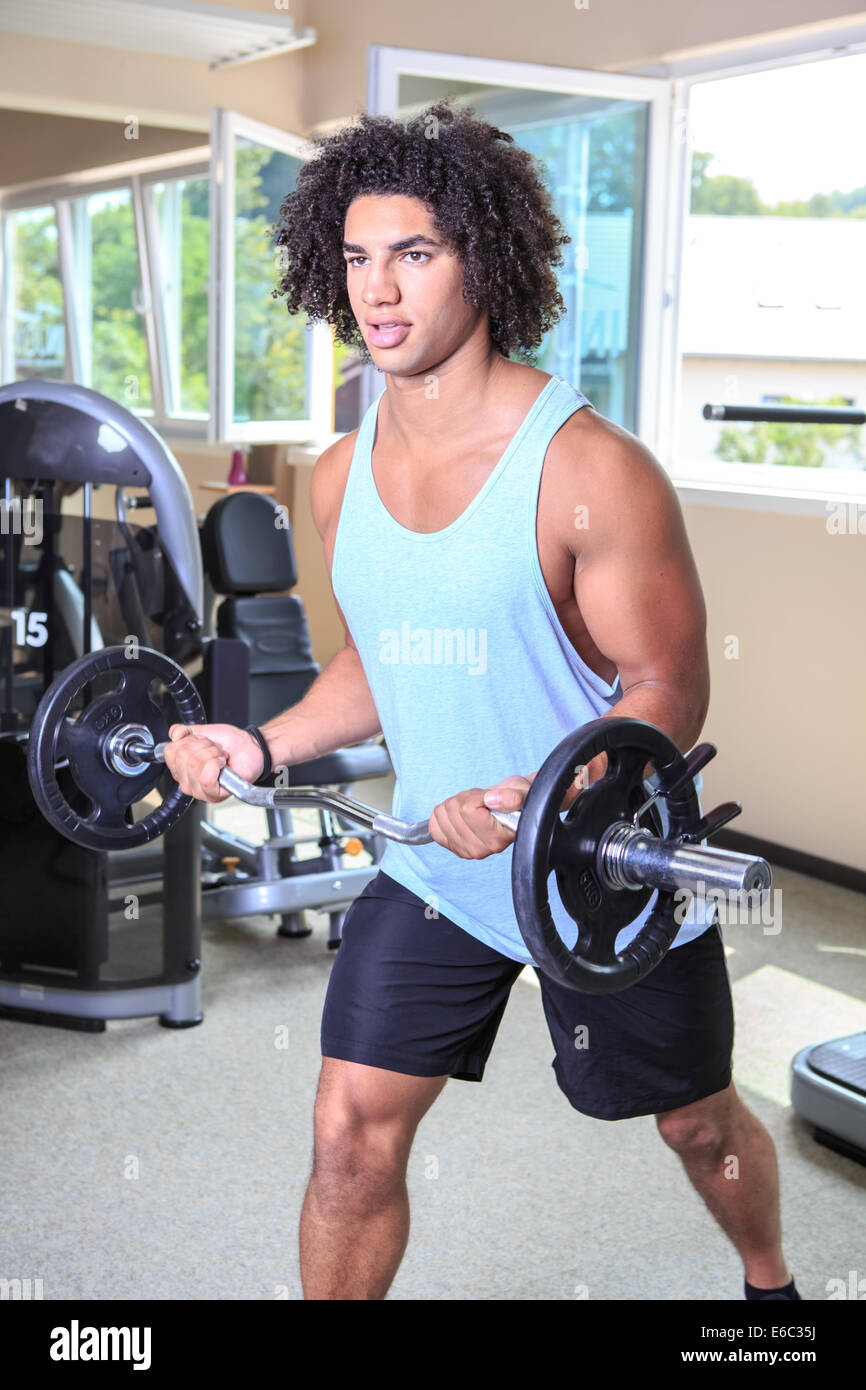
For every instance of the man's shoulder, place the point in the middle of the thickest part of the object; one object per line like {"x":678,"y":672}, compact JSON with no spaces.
{"x":611,"y":475}
{"x":602,"y":454}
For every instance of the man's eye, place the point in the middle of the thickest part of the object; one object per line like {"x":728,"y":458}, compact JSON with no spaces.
{"x":354,"y":260}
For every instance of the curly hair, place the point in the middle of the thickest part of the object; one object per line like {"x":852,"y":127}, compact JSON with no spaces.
{"x":488,"y":201}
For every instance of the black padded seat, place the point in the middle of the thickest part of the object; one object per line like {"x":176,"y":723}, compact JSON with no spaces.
{"x":249,"y":558}
{"x":346,"y":765}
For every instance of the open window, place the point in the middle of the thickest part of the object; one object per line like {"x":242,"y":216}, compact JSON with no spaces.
{"x":604,"y":139}
{"x":768,"y":244}
{"x":684,"y":286}
{"x":271,"y":375}
{"x":175,"y":220}
{"x":33,"y":307}
{"x":152,"y":282}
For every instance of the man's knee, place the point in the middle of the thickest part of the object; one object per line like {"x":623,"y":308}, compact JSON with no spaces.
{"x":356,"y":1162}
{"x":365,"y":1122}
{"x":702,"y":1129}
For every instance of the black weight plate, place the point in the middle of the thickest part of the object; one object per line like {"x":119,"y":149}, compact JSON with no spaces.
{"x":569,"y":846}
{"x":54,"y":738}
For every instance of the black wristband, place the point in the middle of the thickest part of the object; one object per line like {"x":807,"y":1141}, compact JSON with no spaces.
{"x":260,"y":740}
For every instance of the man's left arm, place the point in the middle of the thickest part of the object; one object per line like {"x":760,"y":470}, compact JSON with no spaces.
{"x":637,"y":587}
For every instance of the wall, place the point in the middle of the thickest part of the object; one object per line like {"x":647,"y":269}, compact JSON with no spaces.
{"x":297,"y":91}
{"x":35,"y":145}
{"x":788,"y":712}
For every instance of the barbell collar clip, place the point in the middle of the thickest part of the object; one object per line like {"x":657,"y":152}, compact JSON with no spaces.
{"x":711,"y":822}
{"x":692,"y":764}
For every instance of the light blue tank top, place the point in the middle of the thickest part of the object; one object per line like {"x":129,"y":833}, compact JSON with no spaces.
{"x":471,"y":672}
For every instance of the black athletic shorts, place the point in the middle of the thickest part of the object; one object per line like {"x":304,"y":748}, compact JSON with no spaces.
{"x":419,"y":995}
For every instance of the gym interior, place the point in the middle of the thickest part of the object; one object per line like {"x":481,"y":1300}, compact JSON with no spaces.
{"x":161,"y":991}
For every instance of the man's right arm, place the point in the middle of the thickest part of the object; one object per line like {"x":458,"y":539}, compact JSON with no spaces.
{"x":338,"y":708}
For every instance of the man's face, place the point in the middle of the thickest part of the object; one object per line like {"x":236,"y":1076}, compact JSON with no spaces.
{"x":398,"y":271}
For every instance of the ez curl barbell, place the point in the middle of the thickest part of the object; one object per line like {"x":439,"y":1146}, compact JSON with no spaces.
{"x":607,"y":862}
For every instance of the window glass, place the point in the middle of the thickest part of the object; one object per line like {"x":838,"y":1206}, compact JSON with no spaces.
{"x":594,"y":151}
{"x":183,"y":251}
{"x":271,"y":349}
{"x":108,"y":298}
{"x":38,"y":334}
{"x":773,"y":295}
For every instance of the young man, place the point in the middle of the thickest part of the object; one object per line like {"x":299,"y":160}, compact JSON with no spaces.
{"x":507,"y":565}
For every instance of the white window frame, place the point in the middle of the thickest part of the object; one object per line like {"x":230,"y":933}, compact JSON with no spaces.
{"x":761,"y":487}
{"x":769,"y":487}
{"x":180,"y":423}
{"x":225,"y":127}
{"x":134,"y":176}
{"x":7,"y":323}
{"x":387,"y":65}
{"x":139,"y":176}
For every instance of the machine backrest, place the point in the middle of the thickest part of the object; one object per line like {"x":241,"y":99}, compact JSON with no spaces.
{"x":249,"y":557}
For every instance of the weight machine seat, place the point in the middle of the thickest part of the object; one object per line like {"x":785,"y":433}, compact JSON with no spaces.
{"x":346,"y":765}
{"x":250,"y":559}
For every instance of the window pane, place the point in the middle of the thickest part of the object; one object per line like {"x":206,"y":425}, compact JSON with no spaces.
{"x":594,"y":150}
{"x":183,"y":249}
{"x":36,"y":296}
{"x":108,"y":296}
{"x":773,"y":291}
{"x":271,"y":349}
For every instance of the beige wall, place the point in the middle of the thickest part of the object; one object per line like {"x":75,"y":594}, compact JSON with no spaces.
{"x":787,"y":590}
{"x":314,"y":582}
{"x":206,"y":469}
{"x":788,"y":713}
{"x":35,"y":145}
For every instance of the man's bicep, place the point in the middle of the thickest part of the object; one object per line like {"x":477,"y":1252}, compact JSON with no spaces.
{"x":636,"y":582}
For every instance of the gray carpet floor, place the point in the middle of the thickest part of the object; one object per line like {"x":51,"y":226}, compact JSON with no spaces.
{"x":147,"y":1163}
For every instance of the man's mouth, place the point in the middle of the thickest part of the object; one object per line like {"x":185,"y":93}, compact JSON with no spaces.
{"x":388,"y":334}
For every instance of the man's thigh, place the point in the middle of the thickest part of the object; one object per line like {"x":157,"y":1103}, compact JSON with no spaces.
{"x":412,"y":993}
{"x":661,"y":1044}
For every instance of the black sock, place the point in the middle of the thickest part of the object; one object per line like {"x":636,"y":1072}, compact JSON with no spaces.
{"x":787,"y":1291}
